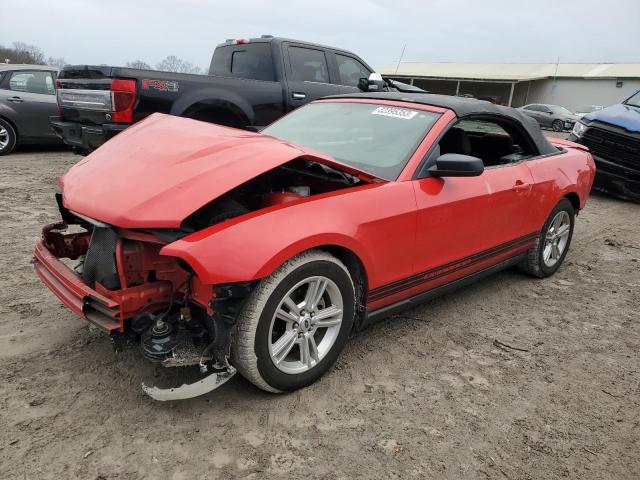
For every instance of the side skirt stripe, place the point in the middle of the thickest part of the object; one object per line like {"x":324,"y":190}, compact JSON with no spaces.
{"x":448,"y":268}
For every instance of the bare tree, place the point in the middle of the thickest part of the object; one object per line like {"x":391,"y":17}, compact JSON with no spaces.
{"x":25,"y":53}
{"x":56,"y":62}
{"x":138,"y":64}
{"x":175,"y":64}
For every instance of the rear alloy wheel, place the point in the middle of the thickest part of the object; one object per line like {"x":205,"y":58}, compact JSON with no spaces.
{"x":552,"y":245}
{"x":295,"y":323}
{"x":7,"y":137}
{"x":557,"y":125}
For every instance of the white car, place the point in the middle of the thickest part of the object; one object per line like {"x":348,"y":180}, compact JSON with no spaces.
{"x":582,"y":111}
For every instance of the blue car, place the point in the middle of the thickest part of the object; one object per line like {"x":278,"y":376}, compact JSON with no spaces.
{"x":613,"y":136}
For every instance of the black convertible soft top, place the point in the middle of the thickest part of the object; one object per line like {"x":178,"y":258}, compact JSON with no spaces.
{"x":465,"y":107}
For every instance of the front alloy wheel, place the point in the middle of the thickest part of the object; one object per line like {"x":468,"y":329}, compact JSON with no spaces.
{"x":7,"y":137}
{"x":295,"y":323}
{"x":557,"y":125}
{"x":305,"y":325}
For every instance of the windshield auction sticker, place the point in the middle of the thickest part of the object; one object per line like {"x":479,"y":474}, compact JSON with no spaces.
{"x":396,"y":112}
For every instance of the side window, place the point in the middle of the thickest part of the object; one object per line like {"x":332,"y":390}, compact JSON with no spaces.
{"x":308,"y":65}
{"x":533,"y":108}
{"x":495,"y":144}
{"x":254,"y":62}
{"x":32,"y":82}
{"x":350,"y":70}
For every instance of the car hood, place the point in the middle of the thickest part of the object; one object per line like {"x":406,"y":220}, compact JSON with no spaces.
{"x":624,"y":116}
{"x":162,"y":169}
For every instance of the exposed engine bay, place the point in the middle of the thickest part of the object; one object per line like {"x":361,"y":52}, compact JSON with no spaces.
{"x":143,"y":298}
{"x":290,"y":182}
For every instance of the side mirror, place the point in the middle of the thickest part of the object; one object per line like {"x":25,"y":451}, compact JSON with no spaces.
{"x":374,"y":83}
{"x":456,"y":165}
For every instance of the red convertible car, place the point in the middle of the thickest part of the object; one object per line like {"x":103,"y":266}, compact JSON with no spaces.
{"x":261,"y":252}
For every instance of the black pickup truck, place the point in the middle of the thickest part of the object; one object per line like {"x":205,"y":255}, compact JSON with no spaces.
{"x":250,"y":84}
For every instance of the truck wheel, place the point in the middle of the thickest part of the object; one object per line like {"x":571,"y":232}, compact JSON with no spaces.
{"x":557,"y":125}
{"x":552,"y":245}
{"x":295,"y":323}
{"x":8,"y":137}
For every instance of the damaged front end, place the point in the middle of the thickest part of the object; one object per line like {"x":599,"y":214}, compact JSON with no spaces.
{"x":118,"y":280}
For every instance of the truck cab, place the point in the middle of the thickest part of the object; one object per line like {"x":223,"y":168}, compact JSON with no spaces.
{"x":250,"y":84}
{"x":613,"y":137}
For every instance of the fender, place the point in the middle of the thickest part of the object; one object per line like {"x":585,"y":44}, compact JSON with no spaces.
{"x":252,"y":246}
{"x":214,"y":96}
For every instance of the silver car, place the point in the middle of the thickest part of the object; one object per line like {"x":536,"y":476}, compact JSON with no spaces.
{"x":551,"y":116}
{"x":27,"y":100}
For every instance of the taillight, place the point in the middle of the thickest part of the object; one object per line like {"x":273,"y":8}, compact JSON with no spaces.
{"x":123,"y":96}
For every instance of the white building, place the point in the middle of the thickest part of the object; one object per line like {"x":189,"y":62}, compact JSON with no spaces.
{"x":568,"y":84}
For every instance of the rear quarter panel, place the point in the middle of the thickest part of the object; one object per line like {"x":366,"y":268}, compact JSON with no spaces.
{"x":376,"y":222}
{"x":556,"y":176}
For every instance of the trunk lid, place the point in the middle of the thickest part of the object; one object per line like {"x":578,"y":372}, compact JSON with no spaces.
{"x":159,"y":171}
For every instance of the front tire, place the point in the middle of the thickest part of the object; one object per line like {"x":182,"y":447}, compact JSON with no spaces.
{"x":547,"y":254}
{"x":8,"y":137}
{"x":295,"y":323}
{"x":557,"y":125}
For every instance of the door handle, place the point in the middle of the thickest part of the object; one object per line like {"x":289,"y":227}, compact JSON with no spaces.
{"x":521,"y":186}
{"x":299,"y":95}
{"x":15,"y":99}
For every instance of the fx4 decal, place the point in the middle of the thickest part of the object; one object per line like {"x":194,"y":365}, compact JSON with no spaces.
{"x":161,"y":85}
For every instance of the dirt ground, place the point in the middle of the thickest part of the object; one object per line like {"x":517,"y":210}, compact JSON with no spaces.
{"x":427,"y":394}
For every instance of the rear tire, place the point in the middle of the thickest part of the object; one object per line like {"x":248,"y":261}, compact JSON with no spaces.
{"x":557,"y":125}
{"x":548,"y":253}
{"x":292,"y":349}
{"x":8,"y":137}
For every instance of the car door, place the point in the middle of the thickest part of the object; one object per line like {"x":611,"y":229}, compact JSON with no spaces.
{"x":29,"y":96}
{"x":308,"y":74}
{"x":466,"y":224}
{"x":533,"y":111}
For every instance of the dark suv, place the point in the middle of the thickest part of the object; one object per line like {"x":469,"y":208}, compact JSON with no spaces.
{"x":27,"y":100}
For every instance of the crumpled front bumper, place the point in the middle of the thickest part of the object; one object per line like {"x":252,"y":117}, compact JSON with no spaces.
{"x":105,"y":308}
{"x":615,"y":180}
{"x":74,"y":293}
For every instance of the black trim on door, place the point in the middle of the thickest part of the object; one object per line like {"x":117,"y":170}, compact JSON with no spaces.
{"x":373,"y":316}
{"x":448,"y":268}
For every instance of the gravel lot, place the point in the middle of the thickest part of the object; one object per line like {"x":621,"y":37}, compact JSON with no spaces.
{"x":427,"y":394}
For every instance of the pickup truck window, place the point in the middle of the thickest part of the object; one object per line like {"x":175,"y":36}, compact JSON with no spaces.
{"x":308,"y":65}
{"x":250,"y":60}
{"x":351,"y":70}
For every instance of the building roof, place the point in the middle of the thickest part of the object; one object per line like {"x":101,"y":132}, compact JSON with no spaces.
{"x":511,"y":71}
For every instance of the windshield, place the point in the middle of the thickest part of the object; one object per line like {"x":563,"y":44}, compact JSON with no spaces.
{"x":562,"y":110}
{"x":634,"y":101}
{"x":378,"y":139}
{"x":586,"y":109}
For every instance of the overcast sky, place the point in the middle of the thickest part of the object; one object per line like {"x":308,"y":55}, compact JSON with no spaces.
{"x":116,"y":31}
